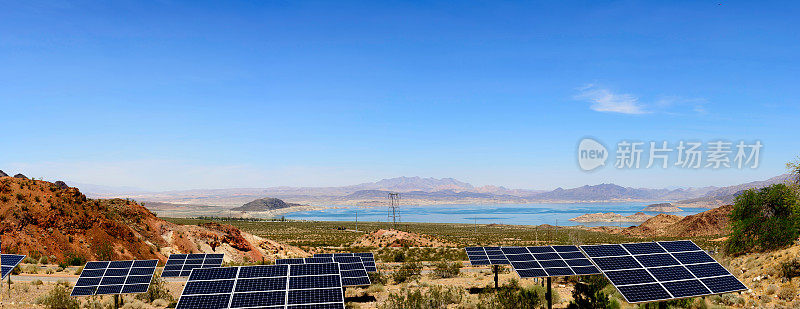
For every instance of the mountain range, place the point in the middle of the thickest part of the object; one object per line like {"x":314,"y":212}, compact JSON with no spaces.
{"x":425,"y":191}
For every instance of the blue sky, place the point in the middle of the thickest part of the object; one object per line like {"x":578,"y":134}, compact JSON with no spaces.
{"x":176,"y":95}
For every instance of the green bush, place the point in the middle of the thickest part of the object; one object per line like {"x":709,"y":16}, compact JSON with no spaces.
{"x":763,"y":220}
{"x":588,"y":293}
{"x":58,"y":298}
{"x":446,"y":270}
{"x":377,"y":278}
{"x":73,"y":260}
{"x":512,"y":296}
{"x":434,"y":297}
{"x":157,"y":290}
{"x":790,"y":269}
{"x":407,"y":272}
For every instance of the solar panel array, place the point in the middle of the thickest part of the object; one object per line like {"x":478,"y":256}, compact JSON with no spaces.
{"x":655,"y":271}
{"x":353,"y":270}
{"x":549,"y":261}
{"x":115,"y":277}
{"x":367,"y":257}
{"x":287,"y":286}
{"x":8,"y":262}
{"x":486,"y":256}
{"x":181,"y":265}
{"x":311,"y":260}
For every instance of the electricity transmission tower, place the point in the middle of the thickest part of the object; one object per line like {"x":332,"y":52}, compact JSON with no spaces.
{"x":394,"y":213}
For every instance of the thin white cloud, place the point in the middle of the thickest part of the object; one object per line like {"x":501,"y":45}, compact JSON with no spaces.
{"x":603,"y":100}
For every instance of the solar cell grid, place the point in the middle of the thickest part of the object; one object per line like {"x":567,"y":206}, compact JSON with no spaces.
{"x":181,"y":265}
{"x":8,"y":262}
{"x":548,"y":261}
{"x":265,"y":286}
{"x":115,"y":277}
{"x":655,"y":271}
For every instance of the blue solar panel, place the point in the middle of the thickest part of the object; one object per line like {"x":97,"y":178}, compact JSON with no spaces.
{"x":723,"y":284}
{"x":693,"y":257}
{"x":679,"y":246}
{"x":671,"y":273}
{"x":208,"y":287}
{"x":260,"y":284}
{"x":556,"y":271}
{"x":352,"y":269}
{"x":616,"y":263}
{"x":181,"y":265}
{"x":548,"y":261}
{"x":644,"y":292}
{"x":8,"y":262}
{"x":644,"y":248}
{"x":656,"y":260}
{"x":655,"y":271}
{"x":266,"y":286}
{"x":604,"y":250}
{"x":115,"y":277}
{"x":585,"y":270}
{"x":290,"y":261}
{"x":541,"y":249}
{"x":686,"y":288}
{"x":631,"y":276}
{"x":489,"y":256}
{"x":707,"y":270}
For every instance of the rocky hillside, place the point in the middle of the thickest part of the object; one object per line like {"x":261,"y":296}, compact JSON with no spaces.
{"x":708,"y":223}
{"x":43,"y":218}
{"x":265,"y":204}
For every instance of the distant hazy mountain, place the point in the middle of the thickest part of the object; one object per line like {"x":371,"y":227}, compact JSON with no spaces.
{"x":611,"y":192}
{"x":727,"y":195}
{"x":406,"y":184}
{"x":418,"y":190}
{"x":436,"y":196}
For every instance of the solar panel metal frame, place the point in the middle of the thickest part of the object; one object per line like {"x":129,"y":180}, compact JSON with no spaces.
{"x":179,"y":261}
{"x":250,"y":275}
{"x":91,"y":278}
{"x":8,"y":262}
{"x":549,"y":261}
{"x":663,"y":261}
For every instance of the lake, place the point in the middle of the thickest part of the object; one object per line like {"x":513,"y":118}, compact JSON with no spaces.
{"x":522,"y":214}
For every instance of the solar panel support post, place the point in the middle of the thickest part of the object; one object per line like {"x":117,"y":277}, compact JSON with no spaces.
{"x":549,"y":294}
{"x":496,"y":269}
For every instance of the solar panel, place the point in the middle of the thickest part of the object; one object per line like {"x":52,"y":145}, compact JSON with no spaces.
{"x":181,"y":265}
{"x":548,"y":261}
{"x":8,"y":262}
{"x":367,"y":257}
{"x":115,"y":277}
{"x":311,"y":260}
{"x":265,"y":286}
{"x":486,"y":256}
{"x":656,"y":271}
{"x":353,"y":270}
